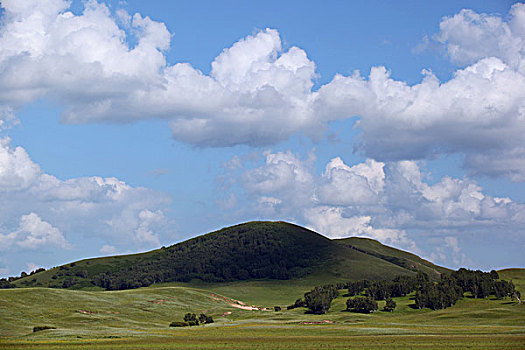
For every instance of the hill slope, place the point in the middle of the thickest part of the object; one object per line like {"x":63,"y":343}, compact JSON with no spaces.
{"x":254,"y":250}
{"x":395,"y":256}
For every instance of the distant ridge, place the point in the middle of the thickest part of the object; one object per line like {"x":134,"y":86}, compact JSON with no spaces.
{"x":252,"y":250}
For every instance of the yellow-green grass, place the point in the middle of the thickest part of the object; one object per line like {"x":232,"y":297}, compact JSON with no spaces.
{"x":252,"y":338}
{"x":139,"y":319}
{"x":517,"y":276}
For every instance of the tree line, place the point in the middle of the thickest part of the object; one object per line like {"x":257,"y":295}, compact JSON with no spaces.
{"x":428,"y":294}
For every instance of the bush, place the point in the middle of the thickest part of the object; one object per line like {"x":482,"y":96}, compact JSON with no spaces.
{"x":190,"y":317}
{"x":204,"y":319}
{"x":298,"y":303}
{"x":42,"y":328}
{"x":179,"y":324}
{"x":319,"y":299}
{"x":390,"y":305}
{"x":361,"y":304}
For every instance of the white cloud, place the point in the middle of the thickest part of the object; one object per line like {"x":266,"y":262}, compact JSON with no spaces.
{"x":36,"y":232}
{"x":148,"y":221}
{"x":257,"y":93}
{"x":282,"y":175}
{"x":390,"y":202}
{"x":108,"y":250}
{"x":33,"y":233}
{"x":470,"y":36}
{"x":16,"y":169}
{"x":480,"y":112}
{"x":344,"y":185}
{"x":108,"y":208}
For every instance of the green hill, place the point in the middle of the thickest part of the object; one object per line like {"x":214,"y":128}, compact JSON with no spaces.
{"x":249,"y":251}
{"x":395,"y":256}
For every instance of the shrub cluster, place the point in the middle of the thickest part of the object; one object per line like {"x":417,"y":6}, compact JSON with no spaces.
{"x":433,"y":295}
{"x":6,"y":282}
{"x":361,"y":304}
{"x":450,"y":289}
{"x":319,"y":299}
{"x":42,"y":328}
{"x":390,"y":305}
{"x":439,"y":295}
{"x":298,"y":303}
{"x":191,"y":319}
{"x":482,"y":284}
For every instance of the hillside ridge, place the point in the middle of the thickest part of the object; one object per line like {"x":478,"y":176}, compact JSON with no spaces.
{"x":256,"y":250}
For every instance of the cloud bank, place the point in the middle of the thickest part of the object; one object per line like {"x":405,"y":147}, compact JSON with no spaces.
{"x":43,"y":212}
{"x":392,"y":202}
{"x":259,"y":93}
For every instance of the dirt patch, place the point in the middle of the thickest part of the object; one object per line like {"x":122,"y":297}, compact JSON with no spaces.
{"x":162,"y":301}
{"x":237,"y":303}
{"x":318,"y":322}
{"x":88,"y":312}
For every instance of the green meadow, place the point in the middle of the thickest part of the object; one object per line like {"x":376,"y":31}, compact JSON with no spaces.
{"x":139,"y":319}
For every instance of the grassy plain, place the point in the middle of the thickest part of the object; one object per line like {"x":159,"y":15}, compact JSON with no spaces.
{"x":139,"y":319}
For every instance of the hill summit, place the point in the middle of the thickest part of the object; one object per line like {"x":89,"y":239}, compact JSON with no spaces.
{"x":253,"y":250}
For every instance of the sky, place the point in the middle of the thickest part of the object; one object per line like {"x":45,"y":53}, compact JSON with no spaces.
{"x":130,"y":125}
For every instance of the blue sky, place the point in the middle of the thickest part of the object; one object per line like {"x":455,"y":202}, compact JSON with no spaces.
{"x":126,"y":126}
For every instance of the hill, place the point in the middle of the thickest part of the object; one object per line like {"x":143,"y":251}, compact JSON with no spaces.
{"x":395,"y":256}
{"x":249,"y":251}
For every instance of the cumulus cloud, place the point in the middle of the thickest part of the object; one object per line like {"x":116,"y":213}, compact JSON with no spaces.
{"x":43,"y":210}
{"x":479,"y":112}
{"x":344,"y":185}
{"x":33,"y":233}
{"x":391,"y":202}
{"x":470,"y":36}
{"x":258,"y":93}
{"x":37,"y":232}
{"x":282,"y":175}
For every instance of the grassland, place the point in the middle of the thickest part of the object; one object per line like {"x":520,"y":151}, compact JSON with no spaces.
{"x":139,"y":319}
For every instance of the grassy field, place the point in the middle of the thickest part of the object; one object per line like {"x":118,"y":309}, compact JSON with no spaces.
{"x":139,"y":319}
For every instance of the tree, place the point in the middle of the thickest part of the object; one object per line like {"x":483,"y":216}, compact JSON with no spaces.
{"x":319,"y":299}
{"x":361,"y":304}
{"x":501,"y":289}
{"x":494,"y":275}
{"x":390,"y":305}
